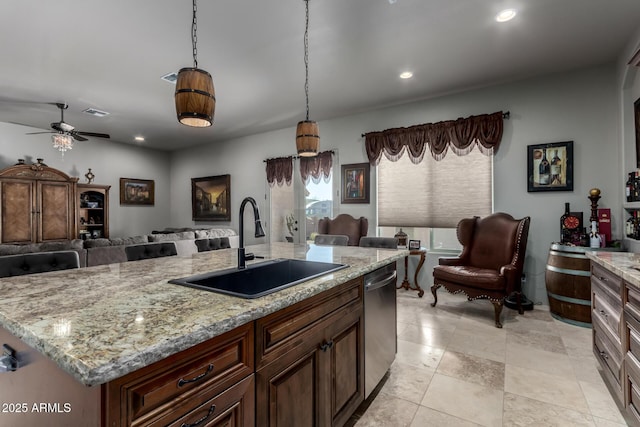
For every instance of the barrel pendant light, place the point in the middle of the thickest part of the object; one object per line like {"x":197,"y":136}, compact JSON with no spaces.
{"x":307,"y":134}
{"x":195,"y":96}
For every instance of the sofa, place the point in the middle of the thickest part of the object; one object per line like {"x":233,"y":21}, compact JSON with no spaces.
{"x":92,"y":252}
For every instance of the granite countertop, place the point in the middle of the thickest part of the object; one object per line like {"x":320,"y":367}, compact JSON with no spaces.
{"x":100,"y":323}
{"x":624,"y":264}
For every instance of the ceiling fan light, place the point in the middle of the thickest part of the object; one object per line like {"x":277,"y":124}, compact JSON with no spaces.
{"x":62,"y":142}
{"x":307,"y":138}
{"x":195,"y":97}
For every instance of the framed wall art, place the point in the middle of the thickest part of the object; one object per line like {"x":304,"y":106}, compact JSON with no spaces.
{"x":355,"y":183}
{"x":137,"y":191}
{"x":636,"y":115}
{"x":211,"y":198}
{"x":550,"y":167}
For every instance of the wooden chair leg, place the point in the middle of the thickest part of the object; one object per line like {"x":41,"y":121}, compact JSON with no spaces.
{"x":497,"y":308}
{"x":434,"y":288}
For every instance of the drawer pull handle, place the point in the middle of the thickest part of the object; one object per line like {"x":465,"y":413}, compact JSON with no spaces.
{"x":212,"y":409}
{"x":604,"y":313}
{"x":182,"y":382}
{"x":326,"y":345}
{"x":604,"y":355}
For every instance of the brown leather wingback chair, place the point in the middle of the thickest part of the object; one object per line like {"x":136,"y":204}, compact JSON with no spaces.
{"x":490,"y":265}
{"x":345,"y":224}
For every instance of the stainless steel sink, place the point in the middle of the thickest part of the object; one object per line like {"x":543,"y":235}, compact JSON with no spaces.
{"x":257,"y":280}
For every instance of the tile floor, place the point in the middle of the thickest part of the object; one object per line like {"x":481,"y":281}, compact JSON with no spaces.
{"x":455,"y":368}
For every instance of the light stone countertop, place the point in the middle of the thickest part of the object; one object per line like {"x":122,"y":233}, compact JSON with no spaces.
{"x":100,"y":323}
{"x":624,"y":264}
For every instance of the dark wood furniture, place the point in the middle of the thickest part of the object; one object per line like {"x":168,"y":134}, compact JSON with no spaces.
{"x":345,"y":224}
{"x":405,"y":283}
{"x":93,"y":211}
{"x":310,"y":360}
{"x":490,"y":265}
{"x":37,"y":204}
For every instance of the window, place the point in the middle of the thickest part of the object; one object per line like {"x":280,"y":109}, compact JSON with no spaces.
{"x":428,"y":199}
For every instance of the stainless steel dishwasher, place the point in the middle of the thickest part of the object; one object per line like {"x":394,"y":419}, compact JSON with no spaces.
{"x":379,"y":325}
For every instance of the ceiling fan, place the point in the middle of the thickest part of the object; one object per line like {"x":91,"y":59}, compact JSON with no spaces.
{"x":64,"y":128}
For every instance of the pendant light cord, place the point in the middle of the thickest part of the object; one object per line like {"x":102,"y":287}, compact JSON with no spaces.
{"x":306,"y":56}
{"x":194,"y":35}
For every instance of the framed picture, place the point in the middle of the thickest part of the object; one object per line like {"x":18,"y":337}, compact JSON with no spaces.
{"x":636,"y":113}
{"x":355,"y":183}
{"x":414,"y":244}
{"x":550,"y":167}
{"x":137,"y":191}
{"x":211,"y":198}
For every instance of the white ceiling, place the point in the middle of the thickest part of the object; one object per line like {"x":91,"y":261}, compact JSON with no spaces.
{"x":110,"y":55}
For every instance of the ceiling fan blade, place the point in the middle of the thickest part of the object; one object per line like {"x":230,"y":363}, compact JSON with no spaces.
{"x":36,"y":133}
{"x":93,"y":134}
{"x":78,"y":137}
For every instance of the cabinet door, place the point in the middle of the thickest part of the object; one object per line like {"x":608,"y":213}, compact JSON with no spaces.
{"x":321,"y":382}
{"x":347,"y":373}
{"x":56,"y":213}
{"x":289,"y":396}
{"x":18,"y":211}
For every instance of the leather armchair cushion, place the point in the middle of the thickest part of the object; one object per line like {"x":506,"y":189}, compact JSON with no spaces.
{"x":150,"y":250}
{"x":494,"y":243}
{"x":18,"y":265}
{"x":216,"y":243}
{"x":473,"y":277}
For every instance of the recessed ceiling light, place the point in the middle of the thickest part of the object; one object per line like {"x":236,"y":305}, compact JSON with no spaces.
{"x":139,"y":138}
{"x":506,"y":15}
{"x":406,"y":75}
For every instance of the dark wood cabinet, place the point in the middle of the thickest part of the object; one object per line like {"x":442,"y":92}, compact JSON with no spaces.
{"x":93,"y":211}
{"x":310,"y":361}
{"x":212,"y":382}
{"x":37,"y":204}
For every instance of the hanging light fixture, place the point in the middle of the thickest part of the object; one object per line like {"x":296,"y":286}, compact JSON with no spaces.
{"x":195,"y":96}
{"x":307,"y":133}
{"x":62,"y":142}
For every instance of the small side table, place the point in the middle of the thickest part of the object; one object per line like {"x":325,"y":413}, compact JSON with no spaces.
{"x":405,"y":283}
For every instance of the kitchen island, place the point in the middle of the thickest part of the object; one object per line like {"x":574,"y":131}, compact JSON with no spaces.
{"x":101,"y":324}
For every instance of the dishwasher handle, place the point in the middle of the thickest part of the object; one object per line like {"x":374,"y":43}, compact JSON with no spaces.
{"x":372,"y":286}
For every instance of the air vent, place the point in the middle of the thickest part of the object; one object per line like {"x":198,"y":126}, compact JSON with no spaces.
{"x":171,"y":77}
{"x":95,"y":112}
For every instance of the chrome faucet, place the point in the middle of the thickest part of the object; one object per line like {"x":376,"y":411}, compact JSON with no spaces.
{"x":242,"y":256}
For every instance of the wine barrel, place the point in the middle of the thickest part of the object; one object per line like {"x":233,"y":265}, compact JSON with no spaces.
{"x":568,"y":281}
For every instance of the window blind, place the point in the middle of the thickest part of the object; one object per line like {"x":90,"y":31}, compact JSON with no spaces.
{"x":434,"y":193}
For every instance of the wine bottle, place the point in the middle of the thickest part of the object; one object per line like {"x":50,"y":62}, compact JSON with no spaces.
{"x":544,"y":169}
{"x":629,"y":187}
{"x":556,"y":169}
{"x":565,"y":233}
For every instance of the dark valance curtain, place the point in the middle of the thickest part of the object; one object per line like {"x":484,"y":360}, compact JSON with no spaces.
{"x":317,"y":167}
{"x":460,"y":135}
{"x":280,"y":171}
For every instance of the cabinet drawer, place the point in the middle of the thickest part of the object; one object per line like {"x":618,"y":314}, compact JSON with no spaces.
{"x":233,"y":407}
{"x":608,"y":353}
{"x":633,"y":336}
{"x":606,"y":294}
{"x":178,"y":380}
{"x":609,"y":316}
{"x":632,"y":301}
{"x":606,"y":279}
{"x":279,"y":333}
